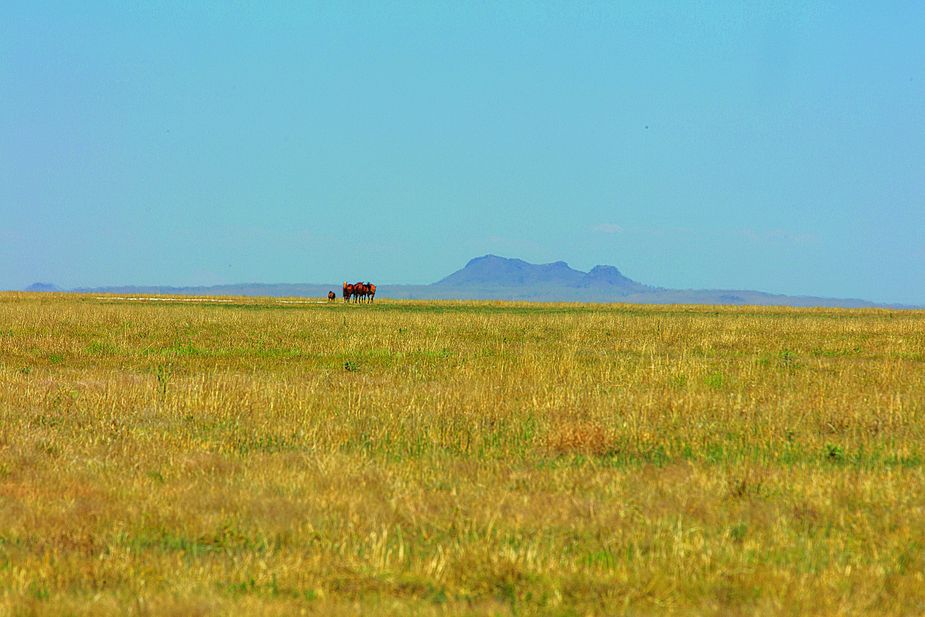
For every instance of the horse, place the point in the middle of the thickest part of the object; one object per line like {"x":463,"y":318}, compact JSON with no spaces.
{"x":331,"y":296}
{"x":360,"y":291}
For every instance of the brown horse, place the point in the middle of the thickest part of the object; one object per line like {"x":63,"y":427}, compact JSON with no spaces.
{"x":331,"y":296}
{"x":359,"y":292}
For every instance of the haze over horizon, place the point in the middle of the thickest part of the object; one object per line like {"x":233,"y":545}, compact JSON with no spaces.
{"x":776,"y":147}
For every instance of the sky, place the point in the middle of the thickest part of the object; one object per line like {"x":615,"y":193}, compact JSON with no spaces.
{"x":775,"y":146}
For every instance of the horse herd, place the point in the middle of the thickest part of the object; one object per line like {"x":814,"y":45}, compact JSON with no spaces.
{"x":361,"y":292}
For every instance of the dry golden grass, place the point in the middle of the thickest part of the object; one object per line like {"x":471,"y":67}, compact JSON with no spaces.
{"x":449,"y":458}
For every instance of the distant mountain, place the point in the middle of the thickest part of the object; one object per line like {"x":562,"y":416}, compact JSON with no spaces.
{"x":493,"y":271}
{"x":42,"y":287}
{"x":500,"y":271}
{"x":609,"y":276}
{"x":500,"y":278}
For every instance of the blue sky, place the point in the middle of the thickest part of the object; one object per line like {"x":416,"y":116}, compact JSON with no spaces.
{"x":774,"y":146}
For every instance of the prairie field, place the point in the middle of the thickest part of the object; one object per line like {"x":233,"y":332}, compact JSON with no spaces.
{"x":259,"y":456}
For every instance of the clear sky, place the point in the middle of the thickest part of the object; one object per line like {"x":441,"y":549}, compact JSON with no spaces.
{"x":774,"y":146}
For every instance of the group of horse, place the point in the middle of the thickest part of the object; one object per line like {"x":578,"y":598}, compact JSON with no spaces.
{"x":360,"y":292}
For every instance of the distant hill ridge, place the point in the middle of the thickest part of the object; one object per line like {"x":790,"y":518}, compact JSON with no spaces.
{"x":495,"y":271}
{"x":491,"y":277}
{"x":45,"y":287}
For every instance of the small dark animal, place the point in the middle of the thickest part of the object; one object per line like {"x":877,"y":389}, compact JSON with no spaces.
{"x":331,"y":296}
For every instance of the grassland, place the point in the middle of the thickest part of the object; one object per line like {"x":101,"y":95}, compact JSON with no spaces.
{"x":440,"y":458}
